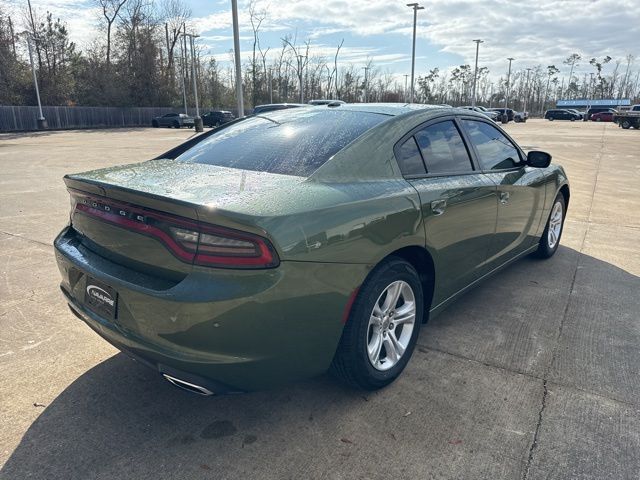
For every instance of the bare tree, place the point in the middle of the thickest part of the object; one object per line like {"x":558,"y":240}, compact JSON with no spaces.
{"x":598,"y":66}
{"x":571,"y":60}
{"x":335,"y":67}
{"x":175,"y":14}
{"x":256,"y":18}
{"x":110,"y":10}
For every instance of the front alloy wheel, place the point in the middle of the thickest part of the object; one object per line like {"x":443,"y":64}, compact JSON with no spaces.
{"x":550,"y":239}
{"x":382,"y":329}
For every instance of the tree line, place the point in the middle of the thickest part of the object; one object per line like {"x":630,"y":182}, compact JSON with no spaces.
{"x":140,"y":57}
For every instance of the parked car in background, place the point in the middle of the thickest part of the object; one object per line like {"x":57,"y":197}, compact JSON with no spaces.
{"x":352,"y":225}
{"x":277,"y":106}
{"x":520,"y":117}
{"x":326,"y":102}
{"x":629,"y":118}
{"x":495,"y":116}
{"x":603,"y":116}
{"x":501,"y":112}
{"x":561,"y":114}
{"x":593,"y":110}
{"x":577,"y":112}
{"x":215,"y":118}
{"x":173,"y":120}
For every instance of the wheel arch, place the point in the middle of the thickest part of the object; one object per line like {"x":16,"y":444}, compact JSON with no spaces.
{"x":566,"y":193}
{"x":420,"y":258}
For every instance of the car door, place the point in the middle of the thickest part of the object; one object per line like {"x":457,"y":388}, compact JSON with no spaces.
{"x":520,"y":189}
{"x":459,"y":204}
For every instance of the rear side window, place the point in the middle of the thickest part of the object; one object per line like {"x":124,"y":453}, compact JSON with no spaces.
{"x":496,"y":151}
{"x":443,"y":149}
{"x":409,"y":158}
{"x":290,"y":142}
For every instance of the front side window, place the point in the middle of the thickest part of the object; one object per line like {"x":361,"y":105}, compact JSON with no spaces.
{"x":443,"y":149}
{"x":496,"y":151}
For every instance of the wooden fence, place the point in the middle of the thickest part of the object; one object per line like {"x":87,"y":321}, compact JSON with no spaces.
{"x":22,"y":118}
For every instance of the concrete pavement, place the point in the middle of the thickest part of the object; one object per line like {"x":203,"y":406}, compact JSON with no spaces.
{"x":532,"y":375}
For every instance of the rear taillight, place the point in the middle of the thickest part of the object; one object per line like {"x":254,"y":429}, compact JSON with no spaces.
{"x":207,"y":245}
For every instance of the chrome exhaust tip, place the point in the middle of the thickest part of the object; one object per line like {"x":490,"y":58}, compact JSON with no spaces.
{"x":190,"y":387}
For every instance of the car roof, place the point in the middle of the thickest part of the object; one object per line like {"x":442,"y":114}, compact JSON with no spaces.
{"x":392,"y":109}
{"x":282,"y":104}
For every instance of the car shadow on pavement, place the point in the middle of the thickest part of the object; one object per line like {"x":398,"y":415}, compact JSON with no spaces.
{"x":119,"y":420}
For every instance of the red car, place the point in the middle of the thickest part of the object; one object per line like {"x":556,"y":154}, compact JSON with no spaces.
{"x":603,"y":116}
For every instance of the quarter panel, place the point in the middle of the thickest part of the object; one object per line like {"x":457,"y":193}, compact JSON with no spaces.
{"x":371,"y":220}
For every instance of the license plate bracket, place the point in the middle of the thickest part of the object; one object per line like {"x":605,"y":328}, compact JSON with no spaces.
{"x":101,"y":298}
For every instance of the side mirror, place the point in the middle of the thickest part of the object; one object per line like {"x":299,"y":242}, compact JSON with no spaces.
{"x":538,"y":159}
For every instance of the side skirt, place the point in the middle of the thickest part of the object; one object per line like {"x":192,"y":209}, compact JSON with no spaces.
{"x":438,"y":309}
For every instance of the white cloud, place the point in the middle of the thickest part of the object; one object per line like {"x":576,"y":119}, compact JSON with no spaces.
{"x":534,"y":32}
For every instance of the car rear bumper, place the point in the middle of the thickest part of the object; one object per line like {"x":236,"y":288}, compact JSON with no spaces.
{"x":229,"y":330}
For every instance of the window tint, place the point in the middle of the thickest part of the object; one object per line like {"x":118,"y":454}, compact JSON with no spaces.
{"x":496,"y":151}
{"x":443,"y":149}
{"x":290,"y":142}
{"x":409,"y":158}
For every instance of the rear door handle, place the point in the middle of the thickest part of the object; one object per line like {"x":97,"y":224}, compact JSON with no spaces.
{"x":504,"y":197}
{"x":438,"y":207}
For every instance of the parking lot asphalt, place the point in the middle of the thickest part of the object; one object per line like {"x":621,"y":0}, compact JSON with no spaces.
{"x":535,"y":374}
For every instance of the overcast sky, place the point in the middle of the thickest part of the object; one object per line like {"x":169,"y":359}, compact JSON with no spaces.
{"x":534,"y":32}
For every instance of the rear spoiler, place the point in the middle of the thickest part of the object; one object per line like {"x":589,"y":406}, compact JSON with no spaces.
{"x":183,"y":147}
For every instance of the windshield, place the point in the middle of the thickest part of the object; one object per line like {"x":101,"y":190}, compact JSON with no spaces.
{"x":290,"y":142}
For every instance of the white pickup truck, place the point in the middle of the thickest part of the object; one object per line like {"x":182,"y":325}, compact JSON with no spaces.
{"x":628,"y":119}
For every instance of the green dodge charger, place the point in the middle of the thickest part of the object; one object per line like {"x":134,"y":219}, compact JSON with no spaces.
{"x":286,"y":244}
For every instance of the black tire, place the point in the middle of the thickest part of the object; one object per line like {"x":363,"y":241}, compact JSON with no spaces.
{"x":351,"y":363}
{"x":176,"y":124}
{"x":625,"y":124}
{"x":598,"y":119}
{"x":154,"y":124}
{"x":551,"y":119}
{"x":545,"y":249}
{"x":573,"y":119}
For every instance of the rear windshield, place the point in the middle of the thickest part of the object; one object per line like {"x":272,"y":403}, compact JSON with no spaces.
{"x":290,"y":142}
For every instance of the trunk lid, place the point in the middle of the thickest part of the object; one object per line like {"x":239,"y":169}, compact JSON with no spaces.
{"x":197,"y":193}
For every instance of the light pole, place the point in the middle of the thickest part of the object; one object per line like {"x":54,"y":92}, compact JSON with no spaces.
{"x":366,"y":84}
{"x":42,"y":122}
{"x":505,"y":115}
{"x":406,"y":75}
{"x":475,"y":74}
{"x":415,"y":7}
{"x":197,"y":119}
{"x":183,"y":68}
{"x":236,"y":51}
{"x":526,"y":91}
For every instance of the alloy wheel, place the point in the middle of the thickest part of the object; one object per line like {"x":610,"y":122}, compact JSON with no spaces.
{"x":391,"y":325}
{"x":555,"y":225}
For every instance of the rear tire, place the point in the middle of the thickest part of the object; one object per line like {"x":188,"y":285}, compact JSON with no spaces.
{"x":176,"y":125}
{"x":550,"y":239}
{"x":155,"y":124}
{"x":380,"y":334}
{"x":625,"y":124}
{"x":551,"y":119}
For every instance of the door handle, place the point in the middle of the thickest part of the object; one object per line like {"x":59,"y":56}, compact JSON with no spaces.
{"x":504,"y":197}
{"x":438,"y":207}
